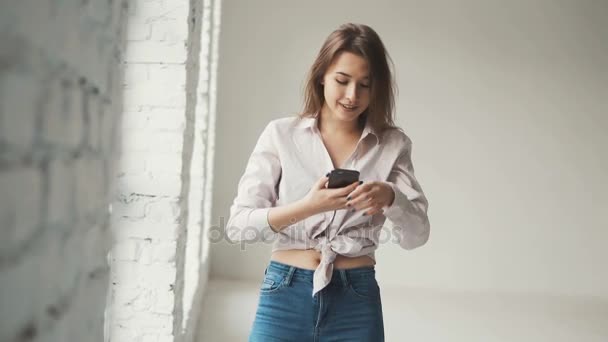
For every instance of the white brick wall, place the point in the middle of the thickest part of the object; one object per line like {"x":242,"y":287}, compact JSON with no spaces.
{"x":201,"y":175}
{"x":85,"y":123}
{"x":60,"y":100}
{"x":161,"y":179}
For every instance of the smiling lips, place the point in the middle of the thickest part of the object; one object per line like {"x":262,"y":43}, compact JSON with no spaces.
{"x":347,"y":107}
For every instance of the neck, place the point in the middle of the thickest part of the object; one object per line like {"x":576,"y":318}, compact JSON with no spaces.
{"x":329,"y":124}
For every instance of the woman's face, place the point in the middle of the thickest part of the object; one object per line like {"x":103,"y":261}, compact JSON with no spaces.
{"x":346,"y":86}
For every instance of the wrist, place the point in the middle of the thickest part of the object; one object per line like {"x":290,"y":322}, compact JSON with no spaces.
{"x":307,"y":208}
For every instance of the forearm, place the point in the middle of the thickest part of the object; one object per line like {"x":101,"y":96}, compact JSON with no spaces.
{"x":283,"y":216}
{"x":409,"y":217}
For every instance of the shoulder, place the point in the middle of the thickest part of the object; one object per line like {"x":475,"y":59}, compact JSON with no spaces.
{"x":282,"y":125}
{"x":279,"y":129}
{"x":285,"y":122}
{"x":396,"y":138}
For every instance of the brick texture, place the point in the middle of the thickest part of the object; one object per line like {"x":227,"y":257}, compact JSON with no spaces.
{"x":60,"y":105}
{"x":105,"y":117}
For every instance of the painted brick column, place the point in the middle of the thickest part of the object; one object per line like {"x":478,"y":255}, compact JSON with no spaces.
{"x":158,"y":197}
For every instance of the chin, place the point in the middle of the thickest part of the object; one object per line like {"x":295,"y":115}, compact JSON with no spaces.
{"x":349,"y":116}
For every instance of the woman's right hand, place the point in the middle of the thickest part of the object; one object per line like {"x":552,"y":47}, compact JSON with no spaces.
{"x":320,"y":198}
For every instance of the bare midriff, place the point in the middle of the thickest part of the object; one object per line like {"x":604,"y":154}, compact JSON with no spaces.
{"x":310,"y":259}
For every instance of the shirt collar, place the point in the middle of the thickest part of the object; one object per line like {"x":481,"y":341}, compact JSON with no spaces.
{"x":310,"y":122}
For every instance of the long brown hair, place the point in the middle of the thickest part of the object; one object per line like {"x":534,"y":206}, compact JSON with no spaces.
{"x":363,"y":41}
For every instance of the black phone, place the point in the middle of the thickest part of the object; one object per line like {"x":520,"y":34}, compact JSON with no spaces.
{"x":339,"y":178}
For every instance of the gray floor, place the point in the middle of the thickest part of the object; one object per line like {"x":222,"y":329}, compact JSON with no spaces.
{"x":425,"y":315}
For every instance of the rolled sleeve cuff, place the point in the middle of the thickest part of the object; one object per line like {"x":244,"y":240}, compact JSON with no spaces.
{"x":259,"y":219}
{"x":257,"y":227}
{"x":399,"y":202}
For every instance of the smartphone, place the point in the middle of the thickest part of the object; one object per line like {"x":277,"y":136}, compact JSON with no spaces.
{"x":339,"y":178}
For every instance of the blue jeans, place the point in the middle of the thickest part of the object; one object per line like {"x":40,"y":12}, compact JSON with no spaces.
{"x":348,"y":309}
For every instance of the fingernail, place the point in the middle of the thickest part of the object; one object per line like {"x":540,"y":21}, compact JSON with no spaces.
{"x":360,"y":182}
{"x":363,"y":214}
{"x":348,"y":204}
{"x":352,"y":210}
{"x":348,"y":198}
{"x":327,"y":175}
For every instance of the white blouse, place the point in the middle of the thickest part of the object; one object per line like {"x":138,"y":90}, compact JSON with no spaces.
{"x":290,"y":157}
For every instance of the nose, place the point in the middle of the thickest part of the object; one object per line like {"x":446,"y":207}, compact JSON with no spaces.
{"x":351,"y":92}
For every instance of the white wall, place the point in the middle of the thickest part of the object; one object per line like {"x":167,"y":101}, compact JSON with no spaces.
{"x":62,"y":130}
{"x":60,"y":104}
{"x":161,"y":202}
{"x":505,"y":103}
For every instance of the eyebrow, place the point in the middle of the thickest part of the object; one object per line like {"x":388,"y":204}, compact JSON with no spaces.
{"x":347,"y":75}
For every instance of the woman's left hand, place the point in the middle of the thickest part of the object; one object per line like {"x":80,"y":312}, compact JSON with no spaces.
{"x":371,"y":197}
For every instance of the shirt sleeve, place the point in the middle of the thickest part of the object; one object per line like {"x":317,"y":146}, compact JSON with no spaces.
{"x":256,"y":192}
{"x":408,"y":212}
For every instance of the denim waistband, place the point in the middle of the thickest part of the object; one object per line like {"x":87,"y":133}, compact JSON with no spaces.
{"x":306,"y":274}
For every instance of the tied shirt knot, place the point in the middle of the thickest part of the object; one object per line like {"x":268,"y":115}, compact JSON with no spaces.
{"x":323,"y":273}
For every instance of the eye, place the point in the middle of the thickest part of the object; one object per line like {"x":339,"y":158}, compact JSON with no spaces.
{"x":341,"y":82}
{"x":365,"y":86}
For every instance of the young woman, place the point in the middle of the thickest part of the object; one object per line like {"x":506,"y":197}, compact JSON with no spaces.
{"x":320,"y":284}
